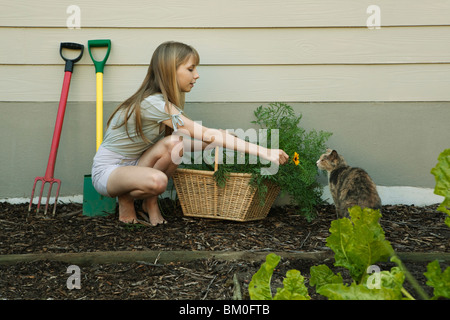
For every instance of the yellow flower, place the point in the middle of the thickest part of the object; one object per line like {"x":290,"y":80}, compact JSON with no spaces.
{"x":296,"y":158}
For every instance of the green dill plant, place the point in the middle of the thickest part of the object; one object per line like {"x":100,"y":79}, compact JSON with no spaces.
{"x":297,"y":178}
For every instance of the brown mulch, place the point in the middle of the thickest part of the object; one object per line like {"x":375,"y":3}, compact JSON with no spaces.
{"x":408,"y":228}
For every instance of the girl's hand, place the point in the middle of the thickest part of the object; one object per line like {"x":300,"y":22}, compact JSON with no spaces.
{"x":276,"y":156}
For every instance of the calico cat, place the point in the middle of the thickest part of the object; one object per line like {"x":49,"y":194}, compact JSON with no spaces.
{"x":349,"y":186}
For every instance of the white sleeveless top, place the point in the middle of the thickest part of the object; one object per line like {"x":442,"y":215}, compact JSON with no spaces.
{"x":152,"y":113}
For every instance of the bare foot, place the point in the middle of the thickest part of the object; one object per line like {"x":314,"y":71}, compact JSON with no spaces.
{"x":127,"y":213}
{"x":150,"y":206}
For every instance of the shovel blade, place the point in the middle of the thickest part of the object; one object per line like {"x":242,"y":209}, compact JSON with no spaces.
{"x":95,"y":204}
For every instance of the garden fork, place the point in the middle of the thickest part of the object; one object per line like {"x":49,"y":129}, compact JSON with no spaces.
{"x":48,"y":178}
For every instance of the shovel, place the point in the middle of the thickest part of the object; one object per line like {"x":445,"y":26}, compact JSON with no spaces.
{"x":95,"y":204}
{"x":48,"y":178}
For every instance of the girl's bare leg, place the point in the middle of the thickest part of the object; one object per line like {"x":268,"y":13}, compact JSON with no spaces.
{"x":164,"y":163}
{"x":127,"y":213}
{"x":145,"y":181}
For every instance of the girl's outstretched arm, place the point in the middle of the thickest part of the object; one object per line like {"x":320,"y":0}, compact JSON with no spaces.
{"x":216,"y":137}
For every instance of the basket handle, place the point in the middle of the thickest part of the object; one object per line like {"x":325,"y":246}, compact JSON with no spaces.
{"x":216,"y":159}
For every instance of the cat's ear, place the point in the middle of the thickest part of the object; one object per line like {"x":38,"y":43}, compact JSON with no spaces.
{"x":333,"y":155}
{"x":329,"y":150}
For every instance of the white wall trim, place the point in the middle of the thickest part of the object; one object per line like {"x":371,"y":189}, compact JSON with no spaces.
{"x":389,"y":196}
{"x":400,"y":195}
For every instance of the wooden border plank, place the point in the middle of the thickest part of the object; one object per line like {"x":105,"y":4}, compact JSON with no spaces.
{"x":163,"y":257}
{"x":407,"y":82}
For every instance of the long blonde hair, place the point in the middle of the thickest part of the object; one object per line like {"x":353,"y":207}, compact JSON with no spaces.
{"x":160,"y":78}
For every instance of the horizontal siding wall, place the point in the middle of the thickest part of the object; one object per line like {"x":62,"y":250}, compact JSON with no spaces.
{"x":318,"y":55}
{"x":250,"y":50}
{"x":221,"y":14}
{"x":424,"y":82}
{"x":255,"y":46}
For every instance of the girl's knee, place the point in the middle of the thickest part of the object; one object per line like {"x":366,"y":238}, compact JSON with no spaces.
{"x":151,"y":185}
{"x":174,"y":147}
{"x":158,"y":182}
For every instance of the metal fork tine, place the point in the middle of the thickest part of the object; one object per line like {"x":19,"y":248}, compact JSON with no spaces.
{"x":48,"y":197}
{"x":58,"y":182}
{"x":32,"y":195}
{"x":50,"y":183}
{"x":40,"y":197}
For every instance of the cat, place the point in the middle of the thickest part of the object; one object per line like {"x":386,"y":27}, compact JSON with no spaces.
{"x":349,"y":186}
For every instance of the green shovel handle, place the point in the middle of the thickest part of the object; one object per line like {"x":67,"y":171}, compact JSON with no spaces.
{"x":99,"y":65}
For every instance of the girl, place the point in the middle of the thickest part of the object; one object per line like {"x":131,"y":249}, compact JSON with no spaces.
{"x":139,"y":152}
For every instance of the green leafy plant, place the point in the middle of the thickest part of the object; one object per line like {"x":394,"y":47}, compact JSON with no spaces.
{"x":440,"y":281}
{"x":293,"y":284}
{"x":441,"y":173}
{"x":358,"y":243}
{"x":298,"y":178}
{"x":357,"y":246}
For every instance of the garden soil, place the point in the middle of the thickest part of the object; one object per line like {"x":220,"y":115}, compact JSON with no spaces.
{"x":408,"y":228}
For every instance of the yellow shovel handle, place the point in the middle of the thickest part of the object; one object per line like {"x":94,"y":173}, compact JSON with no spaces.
{"x":99,"y":112}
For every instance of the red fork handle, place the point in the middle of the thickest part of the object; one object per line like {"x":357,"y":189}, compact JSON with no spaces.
{"x":58,"y":126}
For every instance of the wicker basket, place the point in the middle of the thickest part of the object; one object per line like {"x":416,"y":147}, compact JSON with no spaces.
{"x":201,"y":197}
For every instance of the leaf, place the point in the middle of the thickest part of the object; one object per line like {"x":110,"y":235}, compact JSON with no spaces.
{"x":359,"y":242}
{"x":339,"y":241}
{"x":322,"y":275}
{"x":259,"y":287}
{"x":370,"y":245}
{"x":294,"y":287}
{"x":383,"y":285}
{"x":393,"y":279}
{"x":339,"y":291}
{"x":441,"y":174}
{"x":439,"y":280}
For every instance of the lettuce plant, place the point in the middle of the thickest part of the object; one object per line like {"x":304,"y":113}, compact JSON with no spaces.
{"x":358,"y":244}
{"x":440,"y":281}
{"x":437,"y":279}
{"x":293,"y":284}
{"x":441,"y":173}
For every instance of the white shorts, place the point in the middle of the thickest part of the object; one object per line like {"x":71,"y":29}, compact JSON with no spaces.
{"x":105,"y":161}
